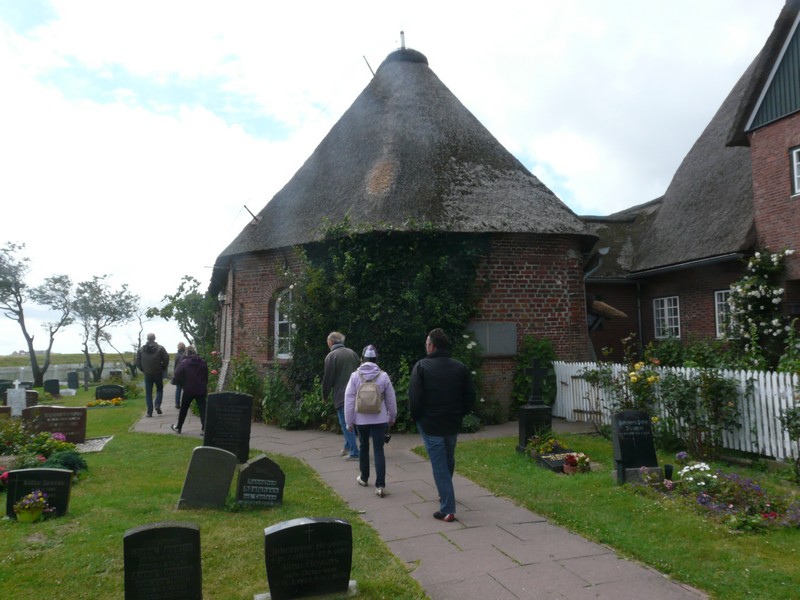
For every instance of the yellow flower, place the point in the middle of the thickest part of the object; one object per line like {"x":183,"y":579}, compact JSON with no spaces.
{"x":634,"y":378}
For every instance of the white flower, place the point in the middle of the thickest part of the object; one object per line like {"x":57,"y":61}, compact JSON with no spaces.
{"x":788,"y":252}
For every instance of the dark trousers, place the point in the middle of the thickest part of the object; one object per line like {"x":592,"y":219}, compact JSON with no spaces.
{"x":375,"y":433}
{"x":186,"y":402}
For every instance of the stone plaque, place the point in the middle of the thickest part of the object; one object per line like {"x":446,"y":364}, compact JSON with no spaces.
{"x":162,"y":562}
{"x":15,"y":398}
{"x":109,"y":392}
{"x":261,"y":482}
{"x":632,"y":435}
{"x":208,"y":479}
{"x":31,"y":398}
{"x":229,"y":416}
{"x":308,"y":557}
{"x":5,"y":412}
{"x":554,"y":461}
{"x":55,"y":483}
{"x":72,"y":380}
{"x":51,"y":386}
{"x":69,"y":420}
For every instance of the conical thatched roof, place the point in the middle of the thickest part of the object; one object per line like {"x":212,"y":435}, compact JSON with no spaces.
{"x":406,"y":153}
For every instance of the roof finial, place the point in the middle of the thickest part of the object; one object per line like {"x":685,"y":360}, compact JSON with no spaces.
{"x":402,"y":40}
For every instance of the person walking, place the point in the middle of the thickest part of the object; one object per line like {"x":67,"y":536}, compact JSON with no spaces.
{"x":370,"y":406}
{"x":152,"y":360}
{"x":178,"y":358}
{"x":192,"y":376}
{"x":440,"y":392}
{"x":340,"y":363}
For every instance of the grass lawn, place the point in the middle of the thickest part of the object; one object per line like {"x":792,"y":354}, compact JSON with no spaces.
{"x":665,"y":535}
{"x":137,"y":480}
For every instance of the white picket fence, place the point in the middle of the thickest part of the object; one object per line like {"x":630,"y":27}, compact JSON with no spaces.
{"x":760,"y":430}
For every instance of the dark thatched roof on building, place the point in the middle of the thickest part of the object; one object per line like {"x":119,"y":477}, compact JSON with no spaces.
{"x":407,"y":153}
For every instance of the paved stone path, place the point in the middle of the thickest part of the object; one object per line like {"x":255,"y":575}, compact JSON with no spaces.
{"x":495,"y":551}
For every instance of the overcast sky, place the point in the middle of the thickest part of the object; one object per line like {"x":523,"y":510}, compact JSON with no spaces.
{"x":133,"y":134}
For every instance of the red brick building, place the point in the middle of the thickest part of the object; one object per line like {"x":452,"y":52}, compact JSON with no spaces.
{"x":671,"y":261}
{"x":407,"y":154}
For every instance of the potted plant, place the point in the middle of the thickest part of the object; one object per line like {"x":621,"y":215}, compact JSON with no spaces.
{"x":32,"y":507}
{"x":543,"y":444}
{"x":571,"y":463}
{"x":584,"y":464}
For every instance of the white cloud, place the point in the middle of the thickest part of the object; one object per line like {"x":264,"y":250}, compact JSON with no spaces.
{"x":134,"y":133}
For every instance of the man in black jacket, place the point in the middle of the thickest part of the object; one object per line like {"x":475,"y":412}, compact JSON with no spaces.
{"x":340,"y":363}
{"x":440,"y":392}
{"x":153,"y":360}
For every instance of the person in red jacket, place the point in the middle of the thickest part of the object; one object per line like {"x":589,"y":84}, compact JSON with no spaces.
{"x":192,"y":376}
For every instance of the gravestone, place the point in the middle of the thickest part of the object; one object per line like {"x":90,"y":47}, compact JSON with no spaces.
{"x":28,"y":385}
{"x":229,"y":416}
{"x":308,"y":557}
{"x":554,"y":461}
{"x":51,"y":386}
{"x":72,"y":380}
{"x":15,"y":398}
{"x":5,"y":384}
{"x":632,"y":435}
{"x":55,"y":483}
{"x":109,"y":392}
{"x":208,"y":478}
{"x":261,"y":483}
{"x":5,"y":412}
{"x":69,"y":420}
{"x":31,"y":398}
{"x":535,"y":417}
{"x":162,"y":562}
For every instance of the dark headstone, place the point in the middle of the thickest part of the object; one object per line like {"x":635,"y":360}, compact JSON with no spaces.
{"x":535,"y":417}
{"x":229,"y":416}
{"x":51,"y":386}
{"x":115,"y":375}
{"x":72,"y":380}
{"x":109,"y":392}
{"x":554,"y":461}
{"x":5,"y":384}
{"x":28,"y":385}
{"x":632,"y":434}
{"x":55,"y":483}
{"x":308,"y":557}
{"x":208,"y":479}
{"x":69,"y":420}
{"x":5,"y":412}
{"x":162,"y":562}
{"x":261,"y":482}
{"x":31,"y":398}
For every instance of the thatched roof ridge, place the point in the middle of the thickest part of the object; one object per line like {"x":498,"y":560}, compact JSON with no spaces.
{"x":406,"y":153}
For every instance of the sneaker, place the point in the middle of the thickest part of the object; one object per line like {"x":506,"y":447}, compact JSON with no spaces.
{"x":447,"y":518}
{"x":344,"y":452}
{"x":158,"y":410}
{"x":380,"y":492}
{"x":351,"y":457}
{"x":177,"y":407}
{"x":149,"y":415}
{"x":175,"y":428}
{"x":361,"y":482}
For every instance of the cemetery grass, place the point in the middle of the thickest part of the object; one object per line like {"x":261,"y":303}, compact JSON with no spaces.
{"x":137,"y":480}
{"x":676,"y":541}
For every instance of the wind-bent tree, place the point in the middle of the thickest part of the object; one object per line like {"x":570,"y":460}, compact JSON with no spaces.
{"x":55,"y":293}
{"x":194,"y":312}
{"x":99,"y":308}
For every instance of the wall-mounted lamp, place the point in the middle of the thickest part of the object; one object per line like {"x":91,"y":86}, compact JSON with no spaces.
{"x":221,"y":297}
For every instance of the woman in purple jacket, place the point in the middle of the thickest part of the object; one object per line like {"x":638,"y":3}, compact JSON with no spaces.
{"x":192,"y":375}
{"x":371,"y":425}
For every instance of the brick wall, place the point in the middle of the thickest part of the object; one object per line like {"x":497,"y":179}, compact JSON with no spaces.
{"x":777,"y":211}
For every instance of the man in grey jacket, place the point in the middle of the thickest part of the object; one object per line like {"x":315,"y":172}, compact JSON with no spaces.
{"x":339,"y":365}
{"x":153,"y":360}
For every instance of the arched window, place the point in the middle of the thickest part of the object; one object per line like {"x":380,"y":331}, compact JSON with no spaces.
{"x":283,"y":324}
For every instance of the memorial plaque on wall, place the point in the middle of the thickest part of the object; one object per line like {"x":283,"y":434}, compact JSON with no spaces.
{"x":261,"y":482}
{"x":69,"y":420}
{"x":162,"y":562}
{"x":229,"y":416}
{"x":308,"y":557}
{"x":56,"y":483}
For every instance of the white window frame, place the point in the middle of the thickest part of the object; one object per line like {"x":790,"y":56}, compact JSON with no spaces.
{"x":666,"y":317}
{"x":722,"y":313}
{"x":794,"y":155}
{"x":282,"y":323}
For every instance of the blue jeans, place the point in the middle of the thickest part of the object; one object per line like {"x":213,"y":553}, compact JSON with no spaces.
{"x":376,"y":433}
{"x":350,"y":443}
{"x":178,"y":390}
{"x":149,"y":381}
{"x":441,"y":450}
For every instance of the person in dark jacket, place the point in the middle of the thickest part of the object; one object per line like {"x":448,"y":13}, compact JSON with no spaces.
{"x":440,"y":393}
{"x":339,"y":365}
{"x":192,"y":376}
{"x":152,"y":360}
{"x":178,"y":358}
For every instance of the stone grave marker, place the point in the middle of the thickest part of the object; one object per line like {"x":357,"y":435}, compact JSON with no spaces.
{"x":56,"y":483}
{"x":308,"y":557}
{"x":261,"y":483}
{"x":51,"y":386}
{"x":554,"y":461}
{"x":5,"y":384}
{"x":208,"y":478}
{"x":28,"y":385}
{"x":15,"y":398}
{"x":109,"y":392}
{"x":72,"y":380}
{"x":31,"y":398}
{"x":229,"y":416}
{"x":69,"y":420}
{"x":5,"y":412}
{"x":162,"y":562}
{"x":632,"y":435}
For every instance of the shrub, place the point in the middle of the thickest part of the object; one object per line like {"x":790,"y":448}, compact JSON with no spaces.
{"x":67,"y":459}
{"x":276,"y":395}
{"x":245,"y":379}
{"x":533,"y":348}
{"x":470,"y":423}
